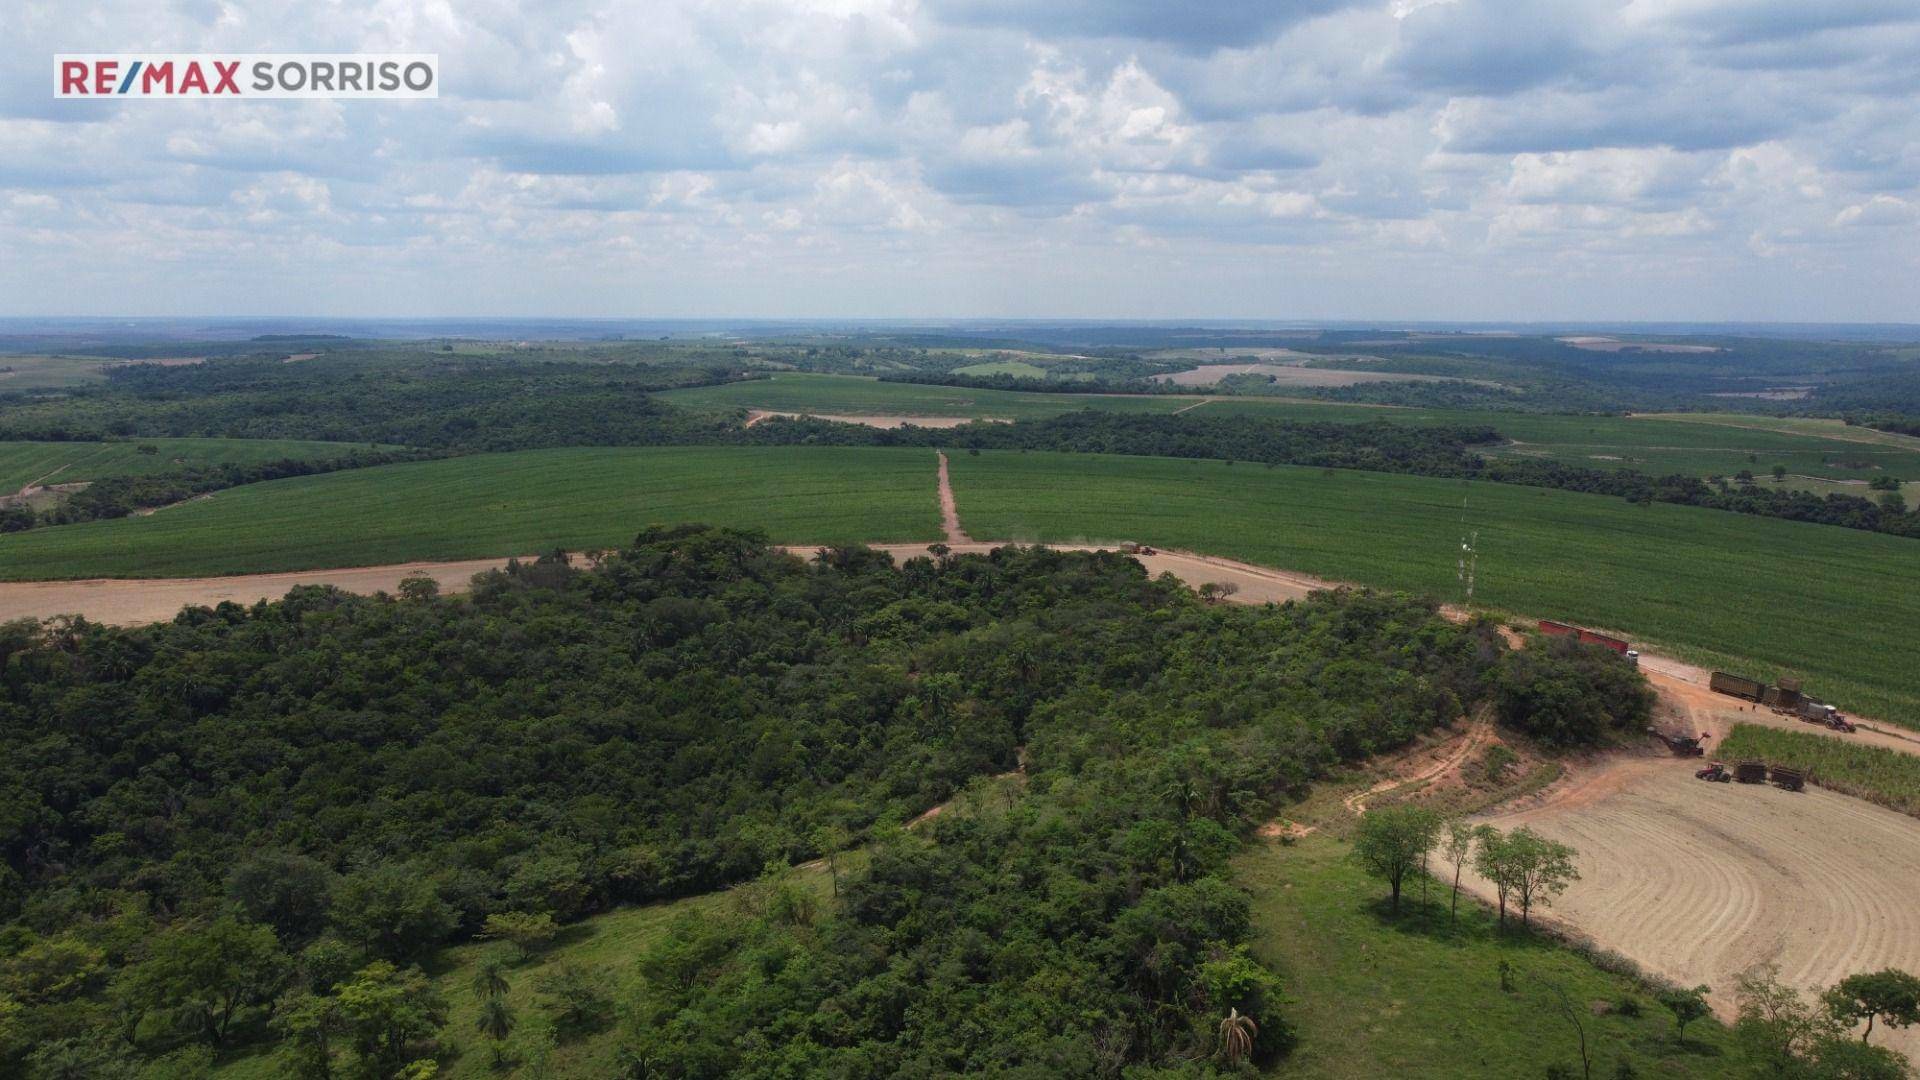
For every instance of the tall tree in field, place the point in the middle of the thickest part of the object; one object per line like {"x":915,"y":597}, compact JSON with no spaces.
{"x":1891,"y":996}
{"x":1542,"y":869}
{"x":1393,"y":842}
{"x":490,"y":980}
{"x":1457,"y":846}
{"x":1525,"y":868}
{"x":1491,"y":861}
{"x":1777,"y":1028}
{"x":1687,"y":1005}
{"x":495,"y":1020}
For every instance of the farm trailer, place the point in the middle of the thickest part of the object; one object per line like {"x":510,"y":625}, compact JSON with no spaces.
{"x":1737,"y":686}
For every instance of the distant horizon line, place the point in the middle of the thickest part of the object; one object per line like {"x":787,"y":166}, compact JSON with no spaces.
{"x":1383,"y":322}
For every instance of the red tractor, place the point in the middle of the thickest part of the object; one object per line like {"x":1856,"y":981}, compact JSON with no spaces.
{"x":1716,"y":773}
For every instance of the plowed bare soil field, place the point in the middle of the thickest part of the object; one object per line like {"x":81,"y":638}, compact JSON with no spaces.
{"x":1697,"y":882}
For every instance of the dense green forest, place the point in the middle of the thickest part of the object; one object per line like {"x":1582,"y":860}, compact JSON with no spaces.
{"x":242,"y":827}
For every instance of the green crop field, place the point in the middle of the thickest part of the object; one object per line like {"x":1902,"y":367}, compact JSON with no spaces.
{"x":1836,"y":606}
{"x":23,"y":463}
{"x":1699,"y":444}
{"x":1419,"y":996}
{"x":1887,"y":777}
{"x":498,"y":504}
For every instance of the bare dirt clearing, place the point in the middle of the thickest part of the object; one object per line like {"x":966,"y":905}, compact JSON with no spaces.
{"x":124,"y":602}
{"x":1289,"y":375}
{"x":755,"y":416}
{"x":1696,"y":882}
{"x":1266,"y":353}
{"x":1607,"y":344}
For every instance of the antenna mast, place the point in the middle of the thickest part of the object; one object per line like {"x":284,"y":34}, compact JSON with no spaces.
{"x":1469,"y":557}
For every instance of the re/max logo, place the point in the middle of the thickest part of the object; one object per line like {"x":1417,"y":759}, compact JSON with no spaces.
{"x":102,"y":76}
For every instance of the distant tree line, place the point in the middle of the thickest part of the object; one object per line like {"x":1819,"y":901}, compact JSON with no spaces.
{"x":458,"y":403}
{"x":1898,"y":425}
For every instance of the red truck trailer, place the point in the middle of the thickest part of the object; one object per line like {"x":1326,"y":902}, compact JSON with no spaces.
{"x":1560,"y":629}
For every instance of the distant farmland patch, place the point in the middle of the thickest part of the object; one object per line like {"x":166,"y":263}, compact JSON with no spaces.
{"x":23,"y":463}
{"x":23,"y":373}
{"x":1290,"y":375}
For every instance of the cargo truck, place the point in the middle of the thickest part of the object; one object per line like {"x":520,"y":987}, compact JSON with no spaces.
{"x":1737,"y":686}
{"x":1591,"y":637}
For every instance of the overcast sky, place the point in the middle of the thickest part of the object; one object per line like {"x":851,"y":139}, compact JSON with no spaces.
{"x":1439,"y":159}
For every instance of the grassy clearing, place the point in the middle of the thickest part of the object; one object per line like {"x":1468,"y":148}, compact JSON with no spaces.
{"x":1017,"y":368}
{"x":1374,"y":996}
{"x":1878,"y":775}
{"x":24,"y":462}
{"x":608,"y":943}
{"x":1811,"y":426}
{"x":499,"y":504}
{"x":18,"y":373}
{"x":1772,"y":597}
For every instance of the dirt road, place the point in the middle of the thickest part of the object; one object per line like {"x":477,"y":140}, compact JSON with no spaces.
{"x":1714,"y":715}
{"x":950,"y":510}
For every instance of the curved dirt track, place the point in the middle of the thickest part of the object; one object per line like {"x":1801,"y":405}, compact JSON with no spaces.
{"x":1697,"y":882}
{"x":1446,"y":757}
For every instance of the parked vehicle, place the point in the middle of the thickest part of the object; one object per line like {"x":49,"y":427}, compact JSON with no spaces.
{"x":1737,"y":686}
{"x":1591,"y":637}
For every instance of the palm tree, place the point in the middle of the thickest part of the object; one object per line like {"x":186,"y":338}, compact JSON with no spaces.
{"x":1236,"y":1037}
{"x":496,"y":1019}
{"x":491,"y":980}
